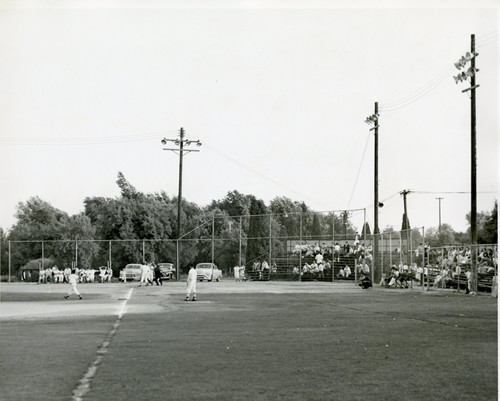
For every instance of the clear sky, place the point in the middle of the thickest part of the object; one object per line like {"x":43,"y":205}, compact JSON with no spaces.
{"x":276,"y":91}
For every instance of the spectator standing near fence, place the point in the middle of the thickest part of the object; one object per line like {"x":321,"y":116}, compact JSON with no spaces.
{"x":318,"y":258}
{"x":157,"y":278}
{"x":346,"y":248}
{"x":336,"y":252}
{"x":191,"y":284}
{"x":73,"y":280}
{"x":236,"y":273}
{"x":468,"y":275}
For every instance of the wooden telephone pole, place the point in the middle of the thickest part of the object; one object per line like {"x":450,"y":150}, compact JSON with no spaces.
{"x":470,"y":73}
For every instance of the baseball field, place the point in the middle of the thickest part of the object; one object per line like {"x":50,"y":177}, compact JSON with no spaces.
{"x":246,"y":341}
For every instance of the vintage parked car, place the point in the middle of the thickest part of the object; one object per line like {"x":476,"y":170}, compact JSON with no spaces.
{"x":167,"y":271}
{"x":132,"y":271}
{"x":208,"y":271}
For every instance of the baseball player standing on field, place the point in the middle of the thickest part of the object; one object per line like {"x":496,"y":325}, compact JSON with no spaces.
{"x":73,"y":279}
{"x":191,"y":284}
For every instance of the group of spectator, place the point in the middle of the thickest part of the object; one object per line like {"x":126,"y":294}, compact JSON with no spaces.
{"x":239,"y":273}
{"x":401,"y":276}
{"x":261,"y":270}
{"x":321,"y":258}
{"x":316,"y":270}
{"x":453,"y":267}
{"x":56,"y":275}
{"x":356,"y":249}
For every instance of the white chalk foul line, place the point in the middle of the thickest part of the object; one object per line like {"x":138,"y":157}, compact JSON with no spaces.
{"x":84,"y":383}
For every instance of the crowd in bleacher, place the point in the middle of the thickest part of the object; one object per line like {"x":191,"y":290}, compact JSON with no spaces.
{"x":320,"y":259}
{"x":444,"y":267}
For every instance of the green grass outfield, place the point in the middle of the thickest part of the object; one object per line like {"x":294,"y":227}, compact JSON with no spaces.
{"x":246,"y":341}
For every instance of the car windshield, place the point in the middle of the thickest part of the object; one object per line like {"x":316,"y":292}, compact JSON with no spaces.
{"x":133,"y":267}
{"x":204,"y":266}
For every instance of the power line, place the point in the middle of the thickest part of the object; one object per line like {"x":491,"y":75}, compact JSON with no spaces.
{"x":417,"y":95}
{"x":489,"y":38}
{"x":452,"y":192}
{"x":263,"y":175}
{"x":359,"y":170}
{"x":384,"y":200}
{"x":56,"y":141}
{"x":488,"y":35}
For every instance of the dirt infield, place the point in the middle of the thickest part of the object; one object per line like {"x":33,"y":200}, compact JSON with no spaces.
{"x":246,"y":341}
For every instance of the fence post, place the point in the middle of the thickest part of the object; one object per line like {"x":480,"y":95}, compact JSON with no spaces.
{"x":423,"y":266}
{"x":400,"y":249}
{"x":110,"y":255}
{"x":76,"y":253}
{"x":213,"y":237}
{"x":390,"y":249}
{"x":240,"y":244}
{"x":178,"y":260}
{"x":270,"y":243}
{"x":382,"y":257}
{"x":300,"y":247}
{"x":10,"y":261}
{"x":333,"y":247}
{"x":410,"y":248}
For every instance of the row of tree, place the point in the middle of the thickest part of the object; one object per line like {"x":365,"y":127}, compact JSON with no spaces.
{"x":240,"y":225}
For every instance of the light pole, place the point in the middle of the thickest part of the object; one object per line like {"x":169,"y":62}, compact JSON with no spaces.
{"x":469,"y":76}
{"x":181,"y":144}
{"x":373,"y":120}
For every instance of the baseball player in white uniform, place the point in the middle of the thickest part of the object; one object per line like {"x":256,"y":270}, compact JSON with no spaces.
{"x":73,"y":279}
{"x":144,"y":275}
{"x":191,"y":284}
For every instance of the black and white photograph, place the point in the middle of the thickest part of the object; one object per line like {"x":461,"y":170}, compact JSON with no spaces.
{"x":249,"y":200}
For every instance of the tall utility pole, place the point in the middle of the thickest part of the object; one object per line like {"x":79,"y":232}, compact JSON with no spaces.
{"x":345,"y":215}
{"x":180,"y":150}
{"x":473,"y":169}
{"x":439,"y":199}
{"x":405,"y":226}
{"x":470,"y":73}
{"x":373,"y":120}
{"x":179,"y":196}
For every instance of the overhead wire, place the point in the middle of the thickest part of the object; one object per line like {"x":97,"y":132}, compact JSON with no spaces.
{"x":383,"y":200}
{"x":452,"y":192}
{"x":483,"y":40}
{"x":271,"y":180}
{"x":486,"y":39}
{"x":418,"y":94}
{"x":88,"y":140}
{"x":359,"y":171}
{"x":429,"y":85}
